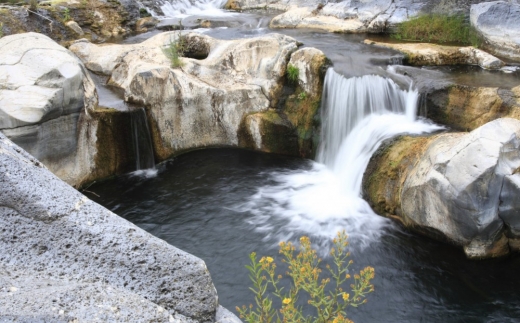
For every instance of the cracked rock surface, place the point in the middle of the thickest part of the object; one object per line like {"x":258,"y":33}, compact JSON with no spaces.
{"x":64,"y":257}
{"x":202,"y":102}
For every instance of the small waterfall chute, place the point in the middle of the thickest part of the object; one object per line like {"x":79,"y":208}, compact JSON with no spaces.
{"x":142,"y":141}
{"x":185,"y":8}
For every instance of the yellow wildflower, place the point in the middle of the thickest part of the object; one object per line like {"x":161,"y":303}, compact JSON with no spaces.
{"x":269,"y":259}
{"x":286,"y":301}
{"x":345,"y":296}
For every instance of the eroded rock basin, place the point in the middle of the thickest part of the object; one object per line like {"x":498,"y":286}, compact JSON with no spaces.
{"x":213,"y":204}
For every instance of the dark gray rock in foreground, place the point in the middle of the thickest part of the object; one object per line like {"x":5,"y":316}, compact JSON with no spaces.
{"x":64,"y":257}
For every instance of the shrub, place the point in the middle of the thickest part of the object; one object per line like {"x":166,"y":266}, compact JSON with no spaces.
{"x":330,"y":304}
{"x":66,"y":14}
{"x":175,"y":50}
{"x":143,"y":13}
{"x":33,"y":5}
{"x":292,"y":73}
{"x":439,"y":29}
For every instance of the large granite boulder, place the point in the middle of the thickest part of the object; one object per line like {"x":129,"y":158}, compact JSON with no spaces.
{"x":499,"y":23}
{"x":65,"y":258}
{"x":459,"y":187}
{"x":202,"y":102}
{"x":49,"y":107}
{"x":40,"y":81}
{"x":45,"y":97}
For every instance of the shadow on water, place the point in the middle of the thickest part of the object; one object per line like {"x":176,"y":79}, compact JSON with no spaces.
{"x":192,"y":204}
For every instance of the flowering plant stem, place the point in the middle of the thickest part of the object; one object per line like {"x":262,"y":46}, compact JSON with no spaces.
{"x":304,"y":270}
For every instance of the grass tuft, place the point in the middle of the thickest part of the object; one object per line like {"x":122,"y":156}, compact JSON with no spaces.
{"x":292,"y":73}
{"x":438,"y":28}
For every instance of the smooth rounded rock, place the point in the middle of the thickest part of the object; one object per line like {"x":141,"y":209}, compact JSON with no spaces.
{"x":455,"y":187}
{"x":40,"y":81}
{"x":499,"y":23}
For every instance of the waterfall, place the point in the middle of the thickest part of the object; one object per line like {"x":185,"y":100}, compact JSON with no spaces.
{"x":142,"y":142}
{"x":358,"y":114}
{"x":184,"y":8}
{"x":345,"y":102}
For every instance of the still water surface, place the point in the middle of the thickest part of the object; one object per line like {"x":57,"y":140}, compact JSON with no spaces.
{"x":206,"y":203}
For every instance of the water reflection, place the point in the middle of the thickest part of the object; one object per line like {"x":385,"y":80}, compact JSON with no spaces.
{"x":191,"y":204}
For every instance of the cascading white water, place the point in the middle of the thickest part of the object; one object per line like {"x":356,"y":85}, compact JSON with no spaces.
{"x":358,"y":114}
{"x":346,"y":102}
{"x":183,"y":8}
{"x":142,"y":144}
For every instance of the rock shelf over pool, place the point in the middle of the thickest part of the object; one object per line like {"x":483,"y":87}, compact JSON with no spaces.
{"x":461,"y":187}
{"x":64,"y":257}
{"x":203,"y":102}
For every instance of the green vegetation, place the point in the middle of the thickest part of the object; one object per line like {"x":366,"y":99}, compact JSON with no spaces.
{"x":143,"y":13}
{"x":330,"y":304}
{"x":33,"y":5}
{"x":438,"y":28}
{"x":175,"y":50}
{"x":302,"y":96}
{"x":292,"y":73}
{"x":66,"y":14}
{"x":1,"y":29}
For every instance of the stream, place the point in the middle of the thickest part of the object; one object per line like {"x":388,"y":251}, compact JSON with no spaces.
{"x":221,"y":204}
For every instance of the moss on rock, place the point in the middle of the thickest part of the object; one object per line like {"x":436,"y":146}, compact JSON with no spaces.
{"x":466,"y":108}
{"x":268,"y":131}
{"x":387,"y":171}
{"x":303,"y":113}
{"x":114,"y":151}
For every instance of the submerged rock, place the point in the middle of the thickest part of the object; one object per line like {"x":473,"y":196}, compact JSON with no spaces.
{"x":65,"y":257}
{"x":458,"y":187}
{"x":499,"y":23}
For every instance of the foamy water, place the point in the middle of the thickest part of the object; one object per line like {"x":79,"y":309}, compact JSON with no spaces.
{"x":358,"y":114}
{"x":185,"y":8}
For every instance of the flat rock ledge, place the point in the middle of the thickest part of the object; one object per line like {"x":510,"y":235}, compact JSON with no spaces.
{"x":458,"y":187}
{"x":425,"y":54}
{"x":65,"y":258}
